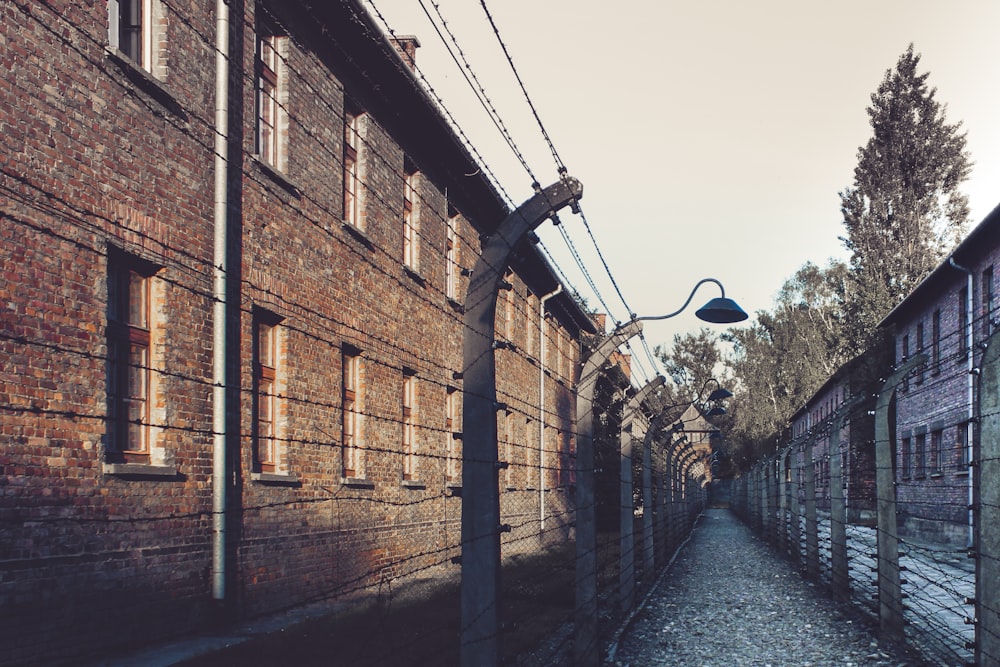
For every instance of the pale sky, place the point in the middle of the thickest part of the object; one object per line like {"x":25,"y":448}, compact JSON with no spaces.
{"x":711,"y":138}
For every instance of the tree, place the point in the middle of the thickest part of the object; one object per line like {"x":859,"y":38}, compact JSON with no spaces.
{"x":904,"y":210}
{"x":691,"y":362}
{"x":781,"y":361}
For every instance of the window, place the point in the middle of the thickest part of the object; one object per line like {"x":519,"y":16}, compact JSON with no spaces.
{"x":451,"y":432}
{"x":132,"y":31}
{"x":266,"y":355}
{"x":919,"y":460}
{"x":529,"y":330}
{"x":451,"y":266}
{"x":920,"y":349}
{"x":132,"y":382}
{"x":935,"y":452}
{"x":964,"y":447}
{"x":272,"y":96}
{"x":987,"y":301}
{"x":963,"y":321}
{"x":531,"y":449}
{"x":410,"y":223}
{"x":935,"y":341}
{"x":352,"y":169}
{"x":904,"y":355}
{"x":353,"y":403}
{"x":508,"y":448}
{"x":904,"y":458}
{"x":409,"y":426}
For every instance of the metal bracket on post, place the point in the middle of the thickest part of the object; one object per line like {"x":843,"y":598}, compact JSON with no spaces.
{"x":480,"y":634}
{"x":586,"y":650}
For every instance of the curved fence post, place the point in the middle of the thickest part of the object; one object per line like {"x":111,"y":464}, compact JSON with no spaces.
{"x":480,"y":626}
{"x":586,"y":645}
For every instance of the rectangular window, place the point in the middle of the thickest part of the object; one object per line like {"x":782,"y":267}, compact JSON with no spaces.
{"x":130,"y":30}
{"x":507,"y":311}
{"x":904,"y":355}
{"x":411,"y":231}
{"x":265,"y":389}
{"x":508,"y":448}
{"x":451,"y":266}
{"x":409,"y":427}
{"x":529,"y":329}
{"x":920,"y":349}
{"x":935,"y":341}
{"x":919,"y":453}
{"x":935,"y":452}
{"x":271,"y":96}
{"x":963,"y":447}
{"x":987,"y":301}
{"x":451,"y":433}
{"x":353,"y":397}
{"x":904,"y":458}
{"x":352,"y":169}
{"x":130,"y":352}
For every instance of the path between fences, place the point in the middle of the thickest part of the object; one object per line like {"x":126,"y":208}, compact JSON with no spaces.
{"x":730,"y":600}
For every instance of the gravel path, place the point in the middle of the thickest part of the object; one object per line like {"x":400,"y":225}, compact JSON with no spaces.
{"x":729,"y":600}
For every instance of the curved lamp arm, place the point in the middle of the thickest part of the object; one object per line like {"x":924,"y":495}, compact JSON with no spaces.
{"x":719,"y":310}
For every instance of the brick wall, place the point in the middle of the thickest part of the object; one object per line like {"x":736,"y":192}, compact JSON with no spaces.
{"x":101,"y":157}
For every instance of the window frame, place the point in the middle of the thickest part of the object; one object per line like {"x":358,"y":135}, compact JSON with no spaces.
{"x":409,"y":424}
{"x":131,"y":37}
{"x":352,"y":426}
{"x":987,"y":300}
{"x":131,"y":441}
{"x":271,"y":92}
{"x":451,"y":261}
{"x":451,"y":424}
{"x":353,"y":195}
{"x":267,"y":454}
{"x":411,"y":222}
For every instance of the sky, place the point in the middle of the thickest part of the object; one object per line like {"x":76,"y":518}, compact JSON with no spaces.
{"x":711,"y":137}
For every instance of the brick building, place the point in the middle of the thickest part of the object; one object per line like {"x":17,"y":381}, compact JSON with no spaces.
{"x":352,"y":221}
{"x":948,"y":317}
{"x":847,"y":395}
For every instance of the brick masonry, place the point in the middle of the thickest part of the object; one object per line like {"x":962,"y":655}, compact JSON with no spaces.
{"x":100,"y":154}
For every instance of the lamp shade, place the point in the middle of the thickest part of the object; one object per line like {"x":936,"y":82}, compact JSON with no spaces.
{"x":720,"y":394}
{"x":721,"y":310}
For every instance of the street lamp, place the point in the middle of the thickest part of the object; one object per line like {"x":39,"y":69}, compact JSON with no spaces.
{"x":719,"y":310}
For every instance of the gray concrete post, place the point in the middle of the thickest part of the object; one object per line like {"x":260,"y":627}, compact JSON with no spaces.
{"x":812,"y":521}
{"x":782,"y":464}
{"x":480,"y":586}
{"x":986,"y":501}
{"x":840,"y":581}
{"x":794,"y":508}
{"x":586,"y":650}
{"x":890,"y":598}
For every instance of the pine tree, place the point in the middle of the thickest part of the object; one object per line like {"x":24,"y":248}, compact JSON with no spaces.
{"x":905,"y":210}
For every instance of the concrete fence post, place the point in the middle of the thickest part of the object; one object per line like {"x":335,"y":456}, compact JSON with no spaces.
{"x":586,"y":647}
{"x":812,"y":522}
{"x":890,"y":598}
{"x":480,"y":587}
{"x":794,"y":507}
{"x":839,"y":575}
{"x":986,"y":501}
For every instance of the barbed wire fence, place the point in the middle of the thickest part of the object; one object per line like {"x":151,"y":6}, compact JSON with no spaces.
{"x":897,"y":517}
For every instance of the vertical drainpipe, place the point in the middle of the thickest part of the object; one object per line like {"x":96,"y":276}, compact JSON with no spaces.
{"x":541,"y":403}
{"x":972,"y":384}
{"x":219,"y":454}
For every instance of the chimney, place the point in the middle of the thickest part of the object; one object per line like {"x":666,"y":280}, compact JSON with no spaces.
{"x":407,"y":46}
